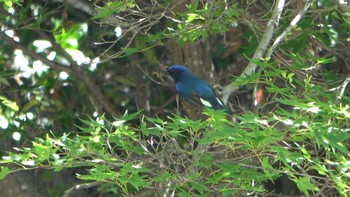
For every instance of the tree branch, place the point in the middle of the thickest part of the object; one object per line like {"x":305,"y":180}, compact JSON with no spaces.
{"x":77,"y":71}
{"x":69,"y":192}
{"x":341,"y":90}
{"x":44,"y":60}
{"x":87,"y":8}
{"x":288,"y":29}
{"x":81,"y":73}
{"x":259,"y":52}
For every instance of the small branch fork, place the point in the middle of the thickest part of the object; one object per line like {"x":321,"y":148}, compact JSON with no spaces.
{"x":288,"y":29}
{"x":265,"y":40}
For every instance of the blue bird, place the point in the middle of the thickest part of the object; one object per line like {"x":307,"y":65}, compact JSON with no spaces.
{"x":194,"y":90}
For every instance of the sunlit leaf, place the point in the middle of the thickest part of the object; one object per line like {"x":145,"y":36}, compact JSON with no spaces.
{"x":3,"y":172}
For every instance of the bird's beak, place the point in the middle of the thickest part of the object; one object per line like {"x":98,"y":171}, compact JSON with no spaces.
{"x":165,"y":69}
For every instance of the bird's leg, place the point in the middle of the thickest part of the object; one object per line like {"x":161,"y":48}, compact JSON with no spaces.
{"x":177,"y":104}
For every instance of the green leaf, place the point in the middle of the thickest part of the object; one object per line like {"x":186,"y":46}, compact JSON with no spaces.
{"x":150,"y":130}
{"x":335,"y":140}
{"x":11,"y":104}
{"x":128,"y":51}
{"x":109,"y":9}
{"x":4,"y":171}
{"x":138,"y":181}
{"x":164,"y":177}
{"x":232,"y":11}
{"x":304,"y":184}
{"x":30,"y":104}
{"x":202,"y":189}
{"x":69,"y":38}
{"x":43,"y":152}
{"x":267,"y":168}
{"x":99,"y":173}
{"x":4,"y":81}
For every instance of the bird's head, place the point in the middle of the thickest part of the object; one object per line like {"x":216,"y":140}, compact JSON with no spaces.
{"x":176,"y":71}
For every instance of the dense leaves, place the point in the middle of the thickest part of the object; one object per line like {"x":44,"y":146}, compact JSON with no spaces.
{"x":228,"y":158}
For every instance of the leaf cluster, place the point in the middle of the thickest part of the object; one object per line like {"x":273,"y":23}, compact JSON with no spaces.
{"x":203,"y":157}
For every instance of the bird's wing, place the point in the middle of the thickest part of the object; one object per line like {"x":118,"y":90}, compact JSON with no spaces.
{"x":200,"y":95}
{"x":189,"y":95}
{"x":194,"y":100}
{"x":212,"y":102}
{"x":208,"y":97}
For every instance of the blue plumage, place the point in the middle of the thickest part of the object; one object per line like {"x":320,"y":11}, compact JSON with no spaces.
{"x":194,"y":90}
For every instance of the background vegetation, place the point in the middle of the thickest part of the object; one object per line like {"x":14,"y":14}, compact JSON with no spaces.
{"x":87,"y":108}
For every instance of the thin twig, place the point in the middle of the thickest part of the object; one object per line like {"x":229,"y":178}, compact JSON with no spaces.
{"x":282,"y":171}
{"x":149,"y":76}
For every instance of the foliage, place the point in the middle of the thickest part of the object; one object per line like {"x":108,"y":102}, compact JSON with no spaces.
{"x":203,"y":156}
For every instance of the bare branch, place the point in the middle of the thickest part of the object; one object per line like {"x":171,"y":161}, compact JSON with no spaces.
{"x":342,"y":90}
{"x":68,"y":192}
{"x":265,"y":40}
{"x":288,"y":29}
